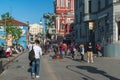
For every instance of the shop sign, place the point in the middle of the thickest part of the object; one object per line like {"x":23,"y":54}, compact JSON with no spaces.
{"x":91,"y":25}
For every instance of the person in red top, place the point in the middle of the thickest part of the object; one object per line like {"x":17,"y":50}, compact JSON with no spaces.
{"x":98,"y":47}
{"x":63,"y":49}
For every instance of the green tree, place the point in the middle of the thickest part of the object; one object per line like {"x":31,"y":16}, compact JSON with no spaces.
{"x":49,"y":22}
{"x":6,"y":16}
{"x":49,"y":19}
{"x":11,"y":28}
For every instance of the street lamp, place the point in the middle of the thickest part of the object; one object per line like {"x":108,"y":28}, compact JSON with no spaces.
{"x":43,"y":32}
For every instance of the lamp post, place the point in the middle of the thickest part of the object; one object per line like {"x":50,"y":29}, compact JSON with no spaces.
{"x":43,"y":32}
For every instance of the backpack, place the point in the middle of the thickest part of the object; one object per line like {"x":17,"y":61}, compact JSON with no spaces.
{"x":31,"y":55}
{"x":80,"y":50}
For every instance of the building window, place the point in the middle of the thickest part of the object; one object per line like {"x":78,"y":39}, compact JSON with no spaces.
{"x":106,"y":2}
{"x":69,"y":4}
{"x":80,"y":3}
{"x":62,"y":3}
{"x":81,"y":17}
{"x":66,"y":28}
{"x":90,"y":6}
{"x":62,"y":26}
{"x":58,"y":3}
{"x":76,"y":34}
{"x":99,"y":5}
{"x":76,"y":18}
{"x":80,"y":32}
{"x":76,"y":6}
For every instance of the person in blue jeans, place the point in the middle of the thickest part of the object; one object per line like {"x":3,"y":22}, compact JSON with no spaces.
{"x":36,"y":62}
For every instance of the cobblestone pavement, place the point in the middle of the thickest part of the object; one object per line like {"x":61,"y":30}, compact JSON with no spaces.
{"x":103,"y":68}
{"x":19,"y":69}
{"x":64,"y":69}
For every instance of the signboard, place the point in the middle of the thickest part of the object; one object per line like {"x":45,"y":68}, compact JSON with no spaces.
{"x":91,"y":25}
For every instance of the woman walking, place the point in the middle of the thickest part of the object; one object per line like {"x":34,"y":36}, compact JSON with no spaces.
{"x":82,"y":52}
{"x":90,"y":52}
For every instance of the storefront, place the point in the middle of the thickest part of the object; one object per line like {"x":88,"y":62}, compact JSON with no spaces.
{"x":118,"y":26}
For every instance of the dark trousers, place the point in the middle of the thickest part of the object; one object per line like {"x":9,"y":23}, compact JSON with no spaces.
{"x":82,"y":57}
{"x":72,"y":52}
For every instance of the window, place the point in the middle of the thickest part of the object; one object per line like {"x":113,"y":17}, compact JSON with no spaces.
{"x":80,"y":3}
{"x":106,"y":2}
{"x":58,"y":3}
{"x":80,"y":32}
{"x":76,"y":18}
{"x":62,"y":3}
{"x":68,"y":4}
{"x":99,"y":4}
{"x":62,"y":26}
{"x":81,"y":17}
{"x":90,"y":6}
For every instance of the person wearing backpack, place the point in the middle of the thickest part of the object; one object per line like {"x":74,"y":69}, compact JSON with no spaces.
{"x":30,"y":46}
{"x":82,"y":52}
{"x":35,"y":67}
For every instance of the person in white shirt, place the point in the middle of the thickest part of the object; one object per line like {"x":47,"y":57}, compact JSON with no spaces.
{"x":9,"y":51}
{"x":30,"y":46}
{"x":36,"y":63}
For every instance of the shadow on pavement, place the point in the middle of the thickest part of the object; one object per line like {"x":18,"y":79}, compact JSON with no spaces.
{"x":96,"y":71}
{"x":29,"y":70}
{"x":91,"y":70}
{"x":76,"y":59}
{"x":71,"y":68}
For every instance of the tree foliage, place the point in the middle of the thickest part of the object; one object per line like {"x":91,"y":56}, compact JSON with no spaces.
{"x":10,"y":28}
{"x":49,"y":22}
{"x":49,"y":19}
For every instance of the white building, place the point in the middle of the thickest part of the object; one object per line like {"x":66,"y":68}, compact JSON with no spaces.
{"x":34,"y":29}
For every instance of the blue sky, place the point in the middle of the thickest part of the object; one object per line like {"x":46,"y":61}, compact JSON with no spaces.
{"x":26,"y":10}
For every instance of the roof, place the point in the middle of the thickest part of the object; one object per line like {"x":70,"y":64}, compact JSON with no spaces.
{"x":13,"y":21}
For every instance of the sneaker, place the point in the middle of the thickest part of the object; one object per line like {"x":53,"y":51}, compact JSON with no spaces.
{"x":88,"y":61}
{"x":92,"y":61}
{"x":37,"y":76}
{"x":33,"y":75}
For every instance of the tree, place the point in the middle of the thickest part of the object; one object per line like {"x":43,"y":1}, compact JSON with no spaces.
{"x":10,"y":28}
{"x":6,"y":16}
{"x":49,"y":22}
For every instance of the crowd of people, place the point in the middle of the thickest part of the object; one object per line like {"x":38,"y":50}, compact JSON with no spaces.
{"x":60,"y":48}
{"x":74,"y":50}
{"x":8,"y":51}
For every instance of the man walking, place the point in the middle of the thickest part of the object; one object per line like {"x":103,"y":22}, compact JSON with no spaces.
{"x":36,"y":62}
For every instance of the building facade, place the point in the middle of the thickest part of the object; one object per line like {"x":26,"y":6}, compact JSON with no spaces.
{"x":98,"y":21}
{"x":35,"y":31}
{"x":64,"y":12}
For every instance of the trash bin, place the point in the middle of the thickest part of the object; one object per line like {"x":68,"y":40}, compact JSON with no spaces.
{"x":1,"y":67}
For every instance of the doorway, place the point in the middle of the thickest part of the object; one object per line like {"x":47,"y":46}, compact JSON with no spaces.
{"x":118,"y":31}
